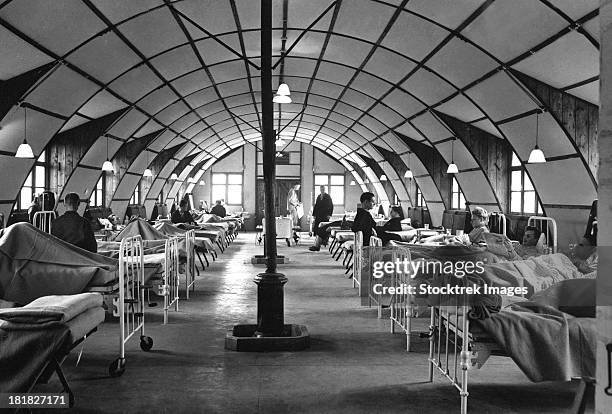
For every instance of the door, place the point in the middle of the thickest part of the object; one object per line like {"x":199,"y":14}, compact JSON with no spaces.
{"x":281,"y":190}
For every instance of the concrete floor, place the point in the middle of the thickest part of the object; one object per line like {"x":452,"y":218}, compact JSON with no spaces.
{"x":354,"y":364}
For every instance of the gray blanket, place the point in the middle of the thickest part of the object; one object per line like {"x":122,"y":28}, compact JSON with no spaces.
{"x":547,"y":343}
{"x":35,"y":264}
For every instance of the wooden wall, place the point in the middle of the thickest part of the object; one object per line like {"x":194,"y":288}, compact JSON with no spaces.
{"x":122,"y":160}
{"x":576,"y":116}
{"x":66,"y":149}
{"x":436,"y":167}
{"x":493,"y":155}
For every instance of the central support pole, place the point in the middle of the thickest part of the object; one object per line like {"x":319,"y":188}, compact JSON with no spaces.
{"x":270,"y":295}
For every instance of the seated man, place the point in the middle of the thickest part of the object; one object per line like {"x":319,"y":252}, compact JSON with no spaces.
{"x":73,"y":228}
{"x":182,"y":215}
{"x":363,"y":219}
{"x":218,"y":209}
{"x":528,"y":248}
{"x":394,"y":224}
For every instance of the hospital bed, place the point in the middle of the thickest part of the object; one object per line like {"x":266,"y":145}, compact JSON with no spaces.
{"x":457,"y":343}
{"x":54,"y":325}
{"x":35,"y":264}
{"x":128,"y":299}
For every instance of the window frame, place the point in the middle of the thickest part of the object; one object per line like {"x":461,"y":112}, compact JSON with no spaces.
{"x":98,"y":192}
{"x":226,"y":186}
{"x":329,"y":185}
{"x":461,"y":204}
{"x":34,"y":185}
{"x":539,"y":211}
{"x":420,"y":200}
{"x":135,"y":199}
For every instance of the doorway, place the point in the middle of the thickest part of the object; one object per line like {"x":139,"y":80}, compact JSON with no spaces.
{"x":281,"y":189}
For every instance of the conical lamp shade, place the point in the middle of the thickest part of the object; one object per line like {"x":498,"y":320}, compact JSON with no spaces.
{"x":283,"y":90}
{"x":536,"y":156}
{"x":452,"y":169}
{"x":108,"y":166}
{"x":408,"y":174}
{"x":174,"y":176}
{"x":24,"y":150}
{"x":281,"y":99}
{"x":353,"y":182}
{"x":147,"y":173}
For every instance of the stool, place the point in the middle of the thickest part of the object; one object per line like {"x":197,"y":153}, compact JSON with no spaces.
{"x":259,"y":234}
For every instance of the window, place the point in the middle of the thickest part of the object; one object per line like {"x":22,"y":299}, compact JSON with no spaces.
{"x":523,"y":197}
{"x":420,"y":200}
{"x":136,"y":196}
{"x":97,"y":195}
{"x":334,"y":185}
{"x":458,"y":200}
{"x":227,"y":187}
{"x":35,"y":184}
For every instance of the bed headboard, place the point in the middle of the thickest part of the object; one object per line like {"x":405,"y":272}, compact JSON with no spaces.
{"x":498,"y":223}
{"x":548,"y":227}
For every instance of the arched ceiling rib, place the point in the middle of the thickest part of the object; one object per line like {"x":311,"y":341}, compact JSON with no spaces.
{"x":359,"y":70}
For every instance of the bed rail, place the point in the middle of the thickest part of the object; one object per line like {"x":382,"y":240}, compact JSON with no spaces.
{"x":401,"y":304}
{"x":548,"y":227}
{"x":130,"y":303}
{"x":498,"y":223}
{"x":43,"y":220}
{"x":449,"y":349}
{"x":170,"y":288}
{"x":357,"y":260}
{"x":375,"y":254}
{"x":453,"y":349}
{"x":190,"y":266}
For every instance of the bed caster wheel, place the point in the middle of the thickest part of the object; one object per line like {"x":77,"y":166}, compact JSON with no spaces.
{"x":117,"y":367}
{"x":146,"y":343}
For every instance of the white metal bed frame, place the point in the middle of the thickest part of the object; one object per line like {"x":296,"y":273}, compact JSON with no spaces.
{"x":376,"y":254}
{"x":357,"y":260}
{"x":190,"y":265}
{"x":43,"y":220}
{"x":130,"y":302}
{"x":503,"y":223}
{"x":402,"y":305}
{"x":170,"y":289}
{"x":548,"y":227}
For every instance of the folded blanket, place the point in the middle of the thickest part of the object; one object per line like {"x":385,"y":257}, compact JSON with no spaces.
{"x":60,"y":308}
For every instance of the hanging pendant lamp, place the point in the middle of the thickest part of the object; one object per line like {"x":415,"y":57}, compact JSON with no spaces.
{"x":147,"y":172}
{"x":537,"y":155}
{"x":282,"y":94}
{"x":452,"y":168}
{"x":24,"y":150}
{"x":107,"y":166}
